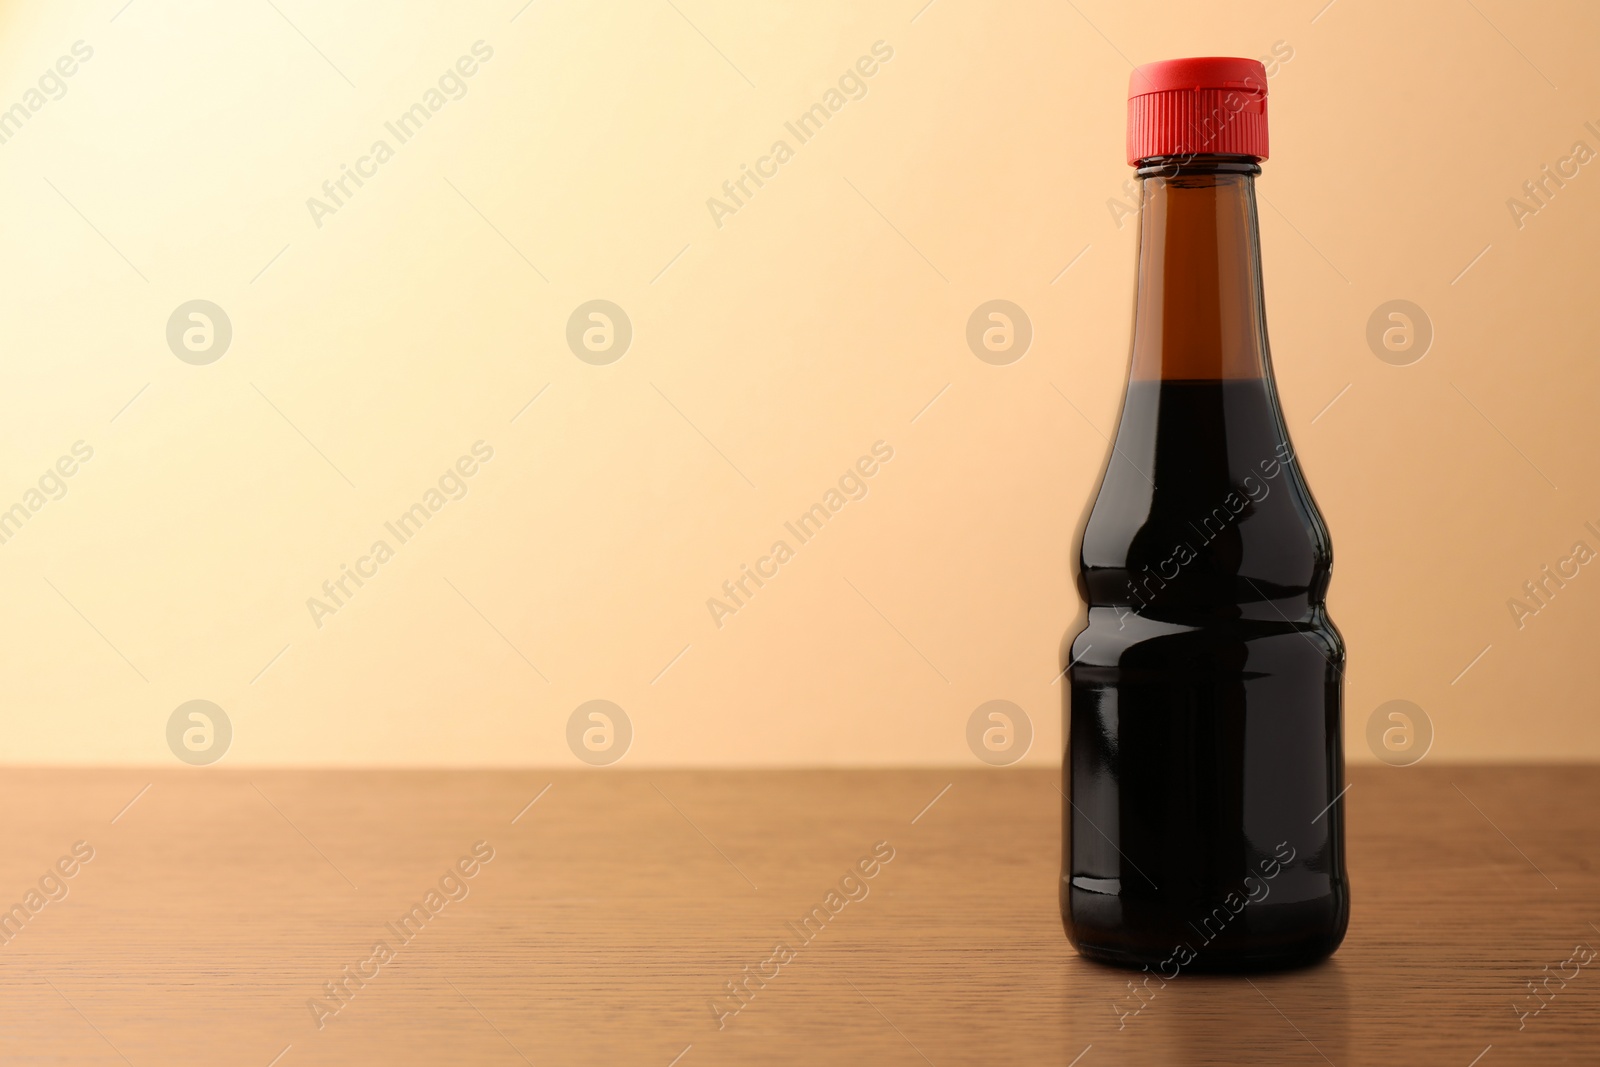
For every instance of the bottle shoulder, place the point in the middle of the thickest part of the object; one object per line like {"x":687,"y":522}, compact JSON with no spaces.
{"x":1202,"y":503}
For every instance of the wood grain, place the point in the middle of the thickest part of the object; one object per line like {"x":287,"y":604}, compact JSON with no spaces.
{"x":616,"y":908}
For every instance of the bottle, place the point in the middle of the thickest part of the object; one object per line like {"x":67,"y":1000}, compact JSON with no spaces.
{"x":1203,"y":827}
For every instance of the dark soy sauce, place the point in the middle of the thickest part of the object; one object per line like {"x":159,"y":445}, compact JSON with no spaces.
{"x":1203,"y":829}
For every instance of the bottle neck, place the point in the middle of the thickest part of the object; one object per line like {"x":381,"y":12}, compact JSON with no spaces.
{"x":1199,"y":313}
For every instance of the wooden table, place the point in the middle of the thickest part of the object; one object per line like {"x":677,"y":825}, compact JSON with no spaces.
{"x":615,"y":909}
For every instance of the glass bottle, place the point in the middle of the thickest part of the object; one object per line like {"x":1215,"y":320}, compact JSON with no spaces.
{"x":1203,"y":826}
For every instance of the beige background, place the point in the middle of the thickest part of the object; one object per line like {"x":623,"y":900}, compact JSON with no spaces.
{"x":768,"y":354}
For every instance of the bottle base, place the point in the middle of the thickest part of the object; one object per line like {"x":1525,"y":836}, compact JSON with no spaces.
{"x":1259,"y":937}
{"x":1263,"y":962}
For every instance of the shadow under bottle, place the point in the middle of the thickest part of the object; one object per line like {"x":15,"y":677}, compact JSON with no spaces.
{"x":1203,"y":829}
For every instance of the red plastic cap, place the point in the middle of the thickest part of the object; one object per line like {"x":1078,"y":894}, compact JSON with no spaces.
{"x":1205,"y":106}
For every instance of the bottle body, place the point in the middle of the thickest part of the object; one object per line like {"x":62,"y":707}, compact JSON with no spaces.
{"x":1203,"y":825}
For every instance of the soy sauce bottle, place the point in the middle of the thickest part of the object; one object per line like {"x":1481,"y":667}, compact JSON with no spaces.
{"x":1203,"y":827}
